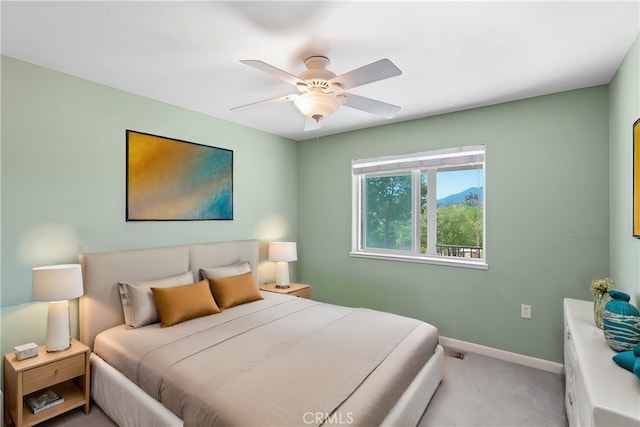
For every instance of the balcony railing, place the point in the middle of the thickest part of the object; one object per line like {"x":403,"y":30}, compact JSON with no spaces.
{"x":459,"y":251}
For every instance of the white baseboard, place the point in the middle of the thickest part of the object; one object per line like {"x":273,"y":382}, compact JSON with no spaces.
{"x":521,"y":359}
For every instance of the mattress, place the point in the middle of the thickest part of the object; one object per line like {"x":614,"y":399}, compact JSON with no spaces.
{"x":278,"y":361}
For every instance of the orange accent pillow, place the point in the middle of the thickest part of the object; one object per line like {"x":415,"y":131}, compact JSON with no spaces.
{"x":235,"y":290}
{"x":180,"y":303}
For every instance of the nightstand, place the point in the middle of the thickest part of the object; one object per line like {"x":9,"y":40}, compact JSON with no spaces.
{"x":65,"y":372}
{"x":295,"y":289}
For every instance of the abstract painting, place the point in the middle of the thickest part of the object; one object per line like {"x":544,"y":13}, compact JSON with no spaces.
{"x":174,"y":180}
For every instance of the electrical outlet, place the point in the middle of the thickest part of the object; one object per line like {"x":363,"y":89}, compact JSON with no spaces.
{"x":525,"y":311}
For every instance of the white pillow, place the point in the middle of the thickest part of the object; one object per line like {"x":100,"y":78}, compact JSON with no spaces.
{"x":137,"y":299}
{"x":225,"y":270}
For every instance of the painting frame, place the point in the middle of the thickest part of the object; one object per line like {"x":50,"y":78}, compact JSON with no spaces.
{"x":170,"y":179}
{"x":636,"y":179}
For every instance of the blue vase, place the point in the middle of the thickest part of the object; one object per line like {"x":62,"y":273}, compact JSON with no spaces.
{"x":621,"y":322}
{"x":619,"y":304}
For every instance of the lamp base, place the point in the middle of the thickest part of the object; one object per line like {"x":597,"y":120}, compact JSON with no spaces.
{"x":282,"y":274}
{"x":58,"y":334}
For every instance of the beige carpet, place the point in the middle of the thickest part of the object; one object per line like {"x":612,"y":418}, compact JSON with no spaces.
{"x":476,"y":391}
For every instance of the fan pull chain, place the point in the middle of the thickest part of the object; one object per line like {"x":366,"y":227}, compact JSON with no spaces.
{"x":318,"y":121}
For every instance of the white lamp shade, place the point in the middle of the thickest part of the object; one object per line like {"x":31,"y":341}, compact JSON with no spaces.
{"x":57,"y":282}
{"x":283,"y":251}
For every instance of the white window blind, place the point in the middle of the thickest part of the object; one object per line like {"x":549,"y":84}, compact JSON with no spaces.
{"x":451,"y":159}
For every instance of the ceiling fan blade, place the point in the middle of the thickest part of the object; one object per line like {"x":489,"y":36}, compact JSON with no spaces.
{"x":371,"y":105}
{"x":310,"y":124}
{"x":379,"y":70}
{"x":270,"y":100}
{"x":274,"y":71}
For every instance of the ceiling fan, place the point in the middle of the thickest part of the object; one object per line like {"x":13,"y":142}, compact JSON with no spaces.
{"x":321,"y":90}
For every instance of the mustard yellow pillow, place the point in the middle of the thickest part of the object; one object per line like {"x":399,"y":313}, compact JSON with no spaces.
{"x":179,"y":303}
{"x":234,"y":290}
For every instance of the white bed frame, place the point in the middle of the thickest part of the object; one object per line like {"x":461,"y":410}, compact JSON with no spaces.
{"x":100,"y":309}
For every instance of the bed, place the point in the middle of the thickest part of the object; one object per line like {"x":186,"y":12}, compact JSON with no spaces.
{"x":277,"y":360}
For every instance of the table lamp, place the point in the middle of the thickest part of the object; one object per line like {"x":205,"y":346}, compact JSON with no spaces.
{"x":57,"y":284}
{"x":282,"y":253}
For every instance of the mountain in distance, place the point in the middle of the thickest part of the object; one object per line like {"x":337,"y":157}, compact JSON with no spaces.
{"x":454,"y":199}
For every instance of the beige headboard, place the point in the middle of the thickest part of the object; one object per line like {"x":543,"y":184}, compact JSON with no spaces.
{"x":100,"y":306}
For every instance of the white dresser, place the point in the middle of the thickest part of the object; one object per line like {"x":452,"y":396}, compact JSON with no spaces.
{"x":597,"y":391}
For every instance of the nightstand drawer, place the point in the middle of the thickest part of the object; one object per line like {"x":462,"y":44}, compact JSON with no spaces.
{"x":52,"y":373}
{"x":302,"y":293}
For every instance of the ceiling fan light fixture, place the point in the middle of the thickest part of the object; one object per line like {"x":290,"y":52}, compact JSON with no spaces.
{"x":320,"y":90}
{"x":315,"y":104}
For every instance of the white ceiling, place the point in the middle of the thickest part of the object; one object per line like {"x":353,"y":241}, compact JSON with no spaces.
{"x":454,"y":55}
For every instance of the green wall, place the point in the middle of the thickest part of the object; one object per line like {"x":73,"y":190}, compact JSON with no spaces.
{"x":63,"y":181}
{"x":624,"y":106}
{"x":558,"y":196}
{"x":547,"y":221}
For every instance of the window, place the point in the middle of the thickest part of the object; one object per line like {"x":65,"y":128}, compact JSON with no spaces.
{"x":422,"y":207}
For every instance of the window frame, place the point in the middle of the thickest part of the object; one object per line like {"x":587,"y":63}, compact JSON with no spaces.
{"x":416,"y":164}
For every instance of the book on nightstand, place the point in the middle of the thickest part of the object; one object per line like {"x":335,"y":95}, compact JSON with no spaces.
{"x":42,"y":400}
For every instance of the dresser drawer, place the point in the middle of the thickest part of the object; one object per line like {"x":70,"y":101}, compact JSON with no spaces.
{"x":52,"y":373}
